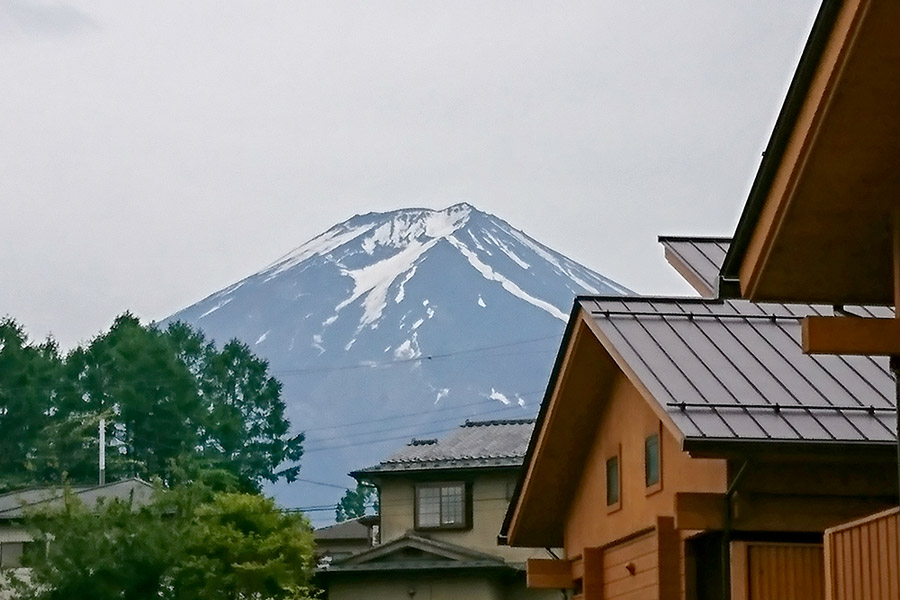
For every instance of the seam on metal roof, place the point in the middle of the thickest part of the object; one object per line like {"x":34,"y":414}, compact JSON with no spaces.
{"x":704,"y":358}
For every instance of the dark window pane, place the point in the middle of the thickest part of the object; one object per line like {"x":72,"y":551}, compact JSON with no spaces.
{"x":612,"y":481}
{"x":651,"y":460}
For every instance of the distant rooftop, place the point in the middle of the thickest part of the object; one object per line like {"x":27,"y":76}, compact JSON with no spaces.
{"x":351,"y":529}
{"x":474,"y":444}
{"x":13,"y":504}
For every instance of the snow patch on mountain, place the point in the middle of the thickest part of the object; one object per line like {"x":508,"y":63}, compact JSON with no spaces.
{"x":375,"y":280}
{"x":498,"y":396}
{"x":215,"y":308}
{"x":488,"y":273}
{"x":323,"y":244}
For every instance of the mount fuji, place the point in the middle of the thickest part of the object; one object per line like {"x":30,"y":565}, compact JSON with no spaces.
{"x":398,"y":325}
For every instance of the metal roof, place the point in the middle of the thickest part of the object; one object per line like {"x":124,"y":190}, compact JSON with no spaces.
{"x":701,"y":256}
{"x":13,"y":504}
{"x":351,"y":529}
{"x":729,"y":370}
{"x":474,"y":444}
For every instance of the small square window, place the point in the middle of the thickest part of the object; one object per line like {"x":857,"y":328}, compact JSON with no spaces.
{"x":612,"y":481}
{"x":441,"y":505}
{"x":11,"y":554}
{"x":651,"y":460}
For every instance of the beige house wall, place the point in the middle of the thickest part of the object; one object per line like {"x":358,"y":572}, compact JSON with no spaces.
{"x":490,"y":497}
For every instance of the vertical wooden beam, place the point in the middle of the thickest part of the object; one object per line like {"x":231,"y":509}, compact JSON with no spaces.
{"x":669,"y":549}
{"x":895,"y":360}
{"x":740,"y":581}
{"x":896,"y":256}
{"x":592,"y":582}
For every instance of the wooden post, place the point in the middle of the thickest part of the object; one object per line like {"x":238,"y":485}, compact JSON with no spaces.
{"x":895,"y":359}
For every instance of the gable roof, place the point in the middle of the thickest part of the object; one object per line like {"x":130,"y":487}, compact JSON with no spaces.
{"x":725,"y":377}
{"x":732,"y":370}
{"x":816,"y":226}
{"x":351,"y":529}
{"x":413,"y":552}
{"x":13,"y":504}
{"x":698,"y":259}
{"x":474,"y":444}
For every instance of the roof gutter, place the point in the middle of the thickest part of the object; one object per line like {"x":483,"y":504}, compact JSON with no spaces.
{"x":729,"y":283}
{"x":726,"y":448}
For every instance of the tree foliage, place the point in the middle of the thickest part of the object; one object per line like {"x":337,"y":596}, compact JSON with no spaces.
{"x":187,"y":544}
{"x":174,"y":403}
{"x":354,"y":503}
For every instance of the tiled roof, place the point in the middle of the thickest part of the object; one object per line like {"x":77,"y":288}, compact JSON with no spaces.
{"x":416,"y":553}
{"x":701,"y":256}
{"x":475,"y":444}
{"x":734,"y":370}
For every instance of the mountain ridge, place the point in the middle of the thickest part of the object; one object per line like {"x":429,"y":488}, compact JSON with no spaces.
{"x":430,"y":315}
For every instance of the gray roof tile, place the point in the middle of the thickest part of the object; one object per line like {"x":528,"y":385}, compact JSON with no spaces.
{"x":475,"y":444}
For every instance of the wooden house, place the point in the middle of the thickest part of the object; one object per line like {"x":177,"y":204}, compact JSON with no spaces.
{"x":688,"y":448}
{"x":822,"y":223}
{"x":441,"y":503}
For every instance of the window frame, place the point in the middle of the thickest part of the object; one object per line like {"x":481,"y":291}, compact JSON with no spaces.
{"x":466,"y":522}
{"x":650,"y":489}
{"x":617,"y":455}
{"x":8,"y":557}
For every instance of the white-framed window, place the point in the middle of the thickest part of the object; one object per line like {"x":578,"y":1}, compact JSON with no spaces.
{"x":441,"y":506}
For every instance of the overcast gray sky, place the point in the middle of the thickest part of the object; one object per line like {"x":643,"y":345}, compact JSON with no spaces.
{"x":153,"y":152}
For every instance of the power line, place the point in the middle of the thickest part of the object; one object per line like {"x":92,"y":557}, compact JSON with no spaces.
{"x":63,"y":386}
{"x":426,"y":357}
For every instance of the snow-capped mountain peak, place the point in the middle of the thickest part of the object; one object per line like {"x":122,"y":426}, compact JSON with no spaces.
{"x":431,"y":315}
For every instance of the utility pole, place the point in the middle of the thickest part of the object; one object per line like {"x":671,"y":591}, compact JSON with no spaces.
{"x":102,"y":451}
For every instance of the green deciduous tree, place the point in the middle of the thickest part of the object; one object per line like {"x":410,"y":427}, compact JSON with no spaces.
{"x":187,"y":544}
{"x":241,"y":546}
{"x":174,"y":403}
{"x":29,"y":388}
{"x":354,"y":503}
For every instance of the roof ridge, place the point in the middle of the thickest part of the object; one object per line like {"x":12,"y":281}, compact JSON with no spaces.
{"x":492,"y":422}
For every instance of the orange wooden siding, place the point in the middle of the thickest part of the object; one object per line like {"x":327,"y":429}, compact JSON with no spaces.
{"x":861,"y":559}
{"x":641,"y":555}
{"x":772,"y":571}
{"x":622,"y":424}
{"x":641,"y":567}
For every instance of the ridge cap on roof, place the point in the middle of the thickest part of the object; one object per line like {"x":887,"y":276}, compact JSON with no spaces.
{"x":653,"y":298}
{"x":726,"y":239}
{"x":492,"y":422}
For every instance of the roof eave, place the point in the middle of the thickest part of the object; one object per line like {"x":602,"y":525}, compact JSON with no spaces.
{"x":798,"y":90}
{"x":503,"y":536}
{"x":762,"y":448}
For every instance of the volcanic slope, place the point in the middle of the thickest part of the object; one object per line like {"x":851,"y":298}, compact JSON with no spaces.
{"x":398,"y":325}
